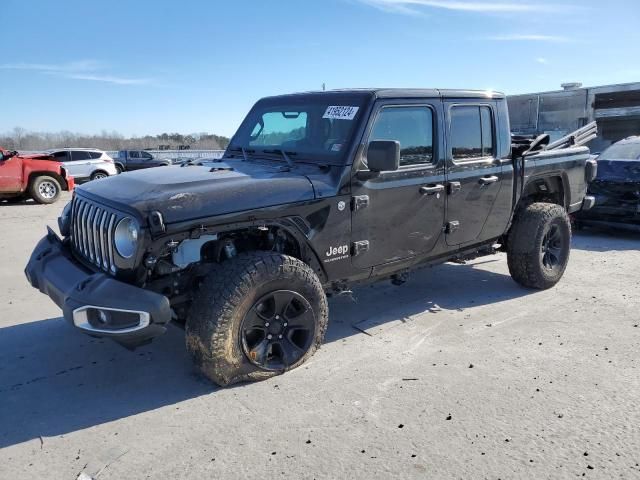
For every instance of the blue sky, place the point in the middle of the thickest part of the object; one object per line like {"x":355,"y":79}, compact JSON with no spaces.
{"x":153,"y":66}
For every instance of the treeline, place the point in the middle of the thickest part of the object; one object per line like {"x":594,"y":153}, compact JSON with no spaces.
{"x":22,"y":139}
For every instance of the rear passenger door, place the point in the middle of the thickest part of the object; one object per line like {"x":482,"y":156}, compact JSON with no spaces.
{"x":474,"y":175}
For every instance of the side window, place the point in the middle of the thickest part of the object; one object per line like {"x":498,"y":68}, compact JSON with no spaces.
{"x":61,"y":156}
{"x":80,"y":155}
{"x":134,"y":154}
{"x":146,"y":155}
{"x":95,"y":155}
{"x":471,"y":132}
{"x":412,"y":127}
{"x":486,"y":120}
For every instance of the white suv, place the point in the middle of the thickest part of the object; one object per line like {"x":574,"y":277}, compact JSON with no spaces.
{"x":85,"y":163}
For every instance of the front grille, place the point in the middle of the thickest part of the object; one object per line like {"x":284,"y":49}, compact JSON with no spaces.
{"x":92,"y":230}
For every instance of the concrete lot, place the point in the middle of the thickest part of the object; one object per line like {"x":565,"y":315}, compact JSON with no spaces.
{"x":460,"y":374}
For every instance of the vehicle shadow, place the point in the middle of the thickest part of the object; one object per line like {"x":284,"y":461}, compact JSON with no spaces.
{"x":18,"y":203}
{"x":54,"y":380}
{"x":429,"y":290}
{"x":598,"y":239}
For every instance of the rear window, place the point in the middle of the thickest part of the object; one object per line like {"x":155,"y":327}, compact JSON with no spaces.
{"x":95,"y":154}
{"x":621,"y":151}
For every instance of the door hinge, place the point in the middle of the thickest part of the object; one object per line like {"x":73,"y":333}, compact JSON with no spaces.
{"x":360,"y":247}
{"x":452,"y":226}
{"x":359,"y":201}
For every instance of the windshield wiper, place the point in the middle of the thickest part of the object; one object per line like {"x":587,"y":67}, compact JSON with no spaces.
{"x":243,"y":151}
{"x":284,"y":154}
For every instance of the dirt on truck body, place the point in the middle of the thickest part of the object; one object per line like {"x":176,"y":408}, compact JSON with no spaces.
{"x":316,"y":191}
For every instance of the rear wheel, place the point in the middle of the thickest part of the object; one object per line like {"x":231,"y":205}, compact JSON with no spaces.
{"x":255,"y":316}
{"x":538,"y":245}
{"x":45,"y":189}
{"x":119,"y":169}
{"x":98,"y":175}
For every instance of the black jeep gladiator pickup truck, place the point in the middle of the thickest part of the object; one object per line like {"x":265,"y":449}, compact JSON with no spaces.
{"x":316,"y":192}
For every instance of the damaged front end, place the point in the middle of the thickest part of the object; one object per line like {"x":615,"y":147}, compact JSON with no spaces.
{"x":616,"y":189}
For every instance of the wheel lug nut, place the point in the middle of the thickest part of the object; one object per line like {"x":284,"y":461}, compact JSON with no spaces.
{"x":284,"y":324}
{"x":279,"y":336}
{"x":269,"y":337}
{"x":277,"y":317}
{"x":266,"y":324}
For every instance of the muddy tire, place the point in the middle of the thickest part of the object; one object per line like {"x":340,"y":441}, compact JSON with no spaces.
{"x":538,"y":245}
{"x":257,"y":315}
{"x":45,"y":189}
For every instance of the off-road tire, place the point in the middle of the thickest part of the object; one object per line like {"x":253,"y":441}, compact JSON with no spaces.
{"x":525,"y":246}
{"x":45,"y":189}
{"x":227,"y":293}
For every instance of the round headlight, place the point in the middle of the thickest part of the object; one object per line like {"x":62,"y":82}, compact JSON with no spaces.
{"x":126,"y":237}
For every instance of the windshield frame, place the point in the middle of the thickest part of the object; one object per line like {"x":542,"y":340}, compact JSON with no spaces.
{"x":362,"y":99}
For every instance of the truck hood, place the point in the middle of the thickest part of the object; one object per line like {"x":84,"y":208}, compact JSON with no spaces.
{"x":191,"y":192}
{"x":617,"y":180}
{"x":619,"y":171}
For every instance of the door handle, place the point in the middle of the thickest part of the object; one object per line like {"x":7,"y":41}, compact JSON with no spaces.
{"x":488,"y":180}
{"x":431,"y":190}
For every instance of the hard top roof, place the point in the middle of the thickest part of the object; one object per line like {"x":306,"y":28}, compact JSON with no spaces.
{"x":407,"y":93}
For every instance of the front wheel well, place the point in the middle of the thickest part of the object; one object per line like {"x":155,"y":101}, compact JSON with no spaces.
{"x":273,"y":238}
{"x":59,"y":178}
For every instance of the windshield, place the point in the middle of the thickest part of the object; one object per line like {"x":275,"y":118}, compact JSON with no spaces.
{"x":621,"y":151}
{"x":315,"y":127}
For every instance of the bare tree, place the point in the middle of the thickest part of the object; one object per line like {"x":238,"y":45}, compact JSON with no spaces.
{"x":21,"y":139}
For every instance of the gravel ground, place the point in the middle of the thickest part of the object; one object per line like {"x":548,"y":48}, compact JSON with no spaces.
{"x":459,"y":373}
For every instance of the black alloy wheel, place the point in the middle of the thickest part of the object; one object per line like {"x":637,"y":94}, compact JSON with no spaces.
{"x":278,"y":330}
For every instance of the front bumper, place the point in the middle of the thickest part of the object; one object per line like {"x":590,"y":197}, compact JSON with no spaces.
{"x":71,"y":183}
{"x":609,"y":211}
{"x":130,"y":315}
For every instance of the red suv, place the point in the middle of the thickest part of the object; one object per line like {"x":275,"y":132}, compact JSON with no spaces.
{"x":36,"y":176}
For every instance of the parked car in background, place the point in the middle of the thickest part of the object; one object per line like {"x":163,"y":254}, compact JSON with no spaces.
{"x":128,"y":160}
{"x":85,"y":163}
{"x":616,"y":188}
{"x":32,"y":176}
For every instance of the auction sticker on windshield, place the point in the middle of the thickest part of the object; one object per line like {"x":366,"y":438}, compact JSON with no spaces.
{"x":338,"y":112}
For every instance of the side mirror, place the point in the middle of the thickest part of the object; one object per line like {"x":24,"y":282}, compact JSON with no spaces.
{"x":383,"y":155}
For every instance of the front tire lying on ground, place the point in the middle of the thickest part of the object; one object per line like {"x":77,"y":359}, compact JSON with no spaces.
{"x":538,"y":245}
{"x":255,"y":316}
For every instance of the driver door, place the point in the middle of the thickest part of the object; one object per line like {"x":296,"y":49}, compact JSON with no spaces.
{"x":10,"y":175}
{"x":400,"y":214}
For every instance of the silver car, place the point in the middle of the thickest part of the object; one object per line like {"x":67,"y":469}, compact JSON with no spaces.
{"x":85,"y":163}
